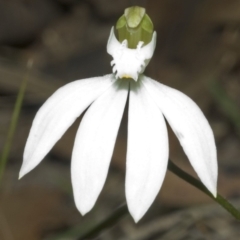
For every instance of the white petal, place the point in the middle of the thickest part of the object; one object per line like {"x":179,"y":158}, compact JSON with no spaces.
{"x":57,"y":114}
{"x":191,"y":128}
{"x":147,"y":151}
{"x":94,"y":145}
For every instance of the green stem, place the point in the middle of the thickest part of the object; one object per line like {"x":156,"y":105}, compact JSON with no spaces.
{"x":13,"y":124}
{"x":193,"y":181}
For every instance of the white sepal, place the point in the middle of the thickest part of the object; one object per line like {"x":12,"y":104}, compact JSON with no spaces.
{"x":57,"y":114}
{"x":191,"y":128}
{"x":94,"y":145}
{"x":147,"y":151}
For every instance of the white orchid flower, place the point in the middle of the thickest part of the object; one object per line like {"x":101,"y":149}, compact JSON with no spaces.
{"x":147,"y":143}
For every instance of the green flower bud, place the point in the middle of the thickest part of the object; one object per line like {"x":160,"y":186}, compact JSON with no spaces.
{"x":135,"y":26}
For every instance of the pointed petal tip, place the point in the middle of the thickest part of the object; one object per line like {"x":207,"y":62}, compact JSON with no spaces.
{"x":214,"y":192}
{"x":136,"y":215}
{"x":211,"y":182}
{"x":83,"y":205}
{"x":212,"y":189}
{"x":25,"y":168}
{"x":136,"y":211}
{"x":83,"y":212}
{"x":20,"y":176}
{"x":84,"y":209}
{"x":136,"y":219}
{"x":21,"y":173}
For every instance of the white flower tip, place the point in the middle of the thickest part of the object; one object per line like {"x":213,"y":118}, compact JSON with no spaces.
{"x":136,"y":218}
{"x":26,"y":167}
{"x":210,"y":180}
{"x":83,"y":211}
{"x":137,"y":208}
{"x":136,"y":214}
{"x":211,"y":184}
{"x":84,"y":208}
{"x":20,"y":175}
{"x":212,"y":189}
{"x":214,"y":194}
{"x":23,"y":172}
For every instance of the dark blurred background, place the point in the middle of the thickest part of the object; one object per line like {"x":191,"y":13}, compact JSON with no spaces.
{"x":198,"y":52}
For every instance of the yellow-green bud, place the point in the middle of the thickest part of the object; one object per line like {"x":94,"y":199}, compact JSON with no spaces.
{"x":135,"y":26}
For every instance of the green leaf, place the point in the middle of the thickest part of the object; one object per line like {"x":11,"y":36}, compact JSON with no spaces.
{"x":13,"y":124}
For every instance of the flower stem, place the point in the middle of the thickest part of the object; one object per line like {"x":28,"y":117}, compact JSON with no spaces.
{"x":193,"y":181}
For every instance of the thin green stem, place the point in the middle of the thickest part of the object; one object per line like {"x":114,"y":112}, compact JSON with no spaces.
{"x":193,"y":181}
{"x":13,"y":124}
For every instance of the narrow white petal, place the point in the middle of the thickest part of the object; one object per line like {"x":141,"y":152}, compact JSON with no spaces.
{"x":57,"y":114}
{"x":191,"y":128}
{"x":94,"y":145}
{"x":147,"y":151}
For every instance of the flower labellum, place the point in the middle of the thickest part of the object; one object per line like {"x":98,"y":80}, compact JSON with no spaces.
{"x":147,"y":144}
